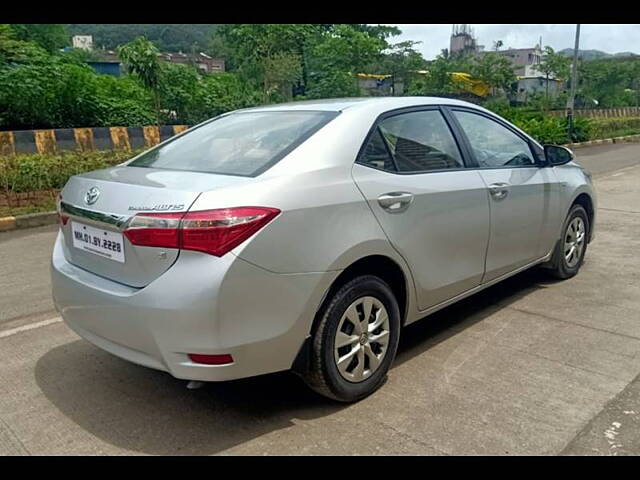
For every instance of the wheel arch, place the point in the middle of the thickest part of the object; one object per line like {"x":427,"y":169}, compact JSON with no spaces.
{"x":380,"y":265}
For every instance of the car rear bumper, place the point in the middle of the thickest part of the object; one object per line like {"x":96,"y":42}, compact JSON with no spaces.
{"x":202,"y":304}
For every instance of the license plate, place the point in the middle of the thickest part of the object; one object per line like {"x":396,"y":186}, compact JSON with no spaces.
{"x":97,"y":241}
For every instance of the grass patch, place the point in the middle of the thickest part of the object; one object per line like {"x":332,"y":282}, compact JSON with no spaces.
{"x":44,"y":206}
{"x":30,"y":183}
{"x":623,"y":132}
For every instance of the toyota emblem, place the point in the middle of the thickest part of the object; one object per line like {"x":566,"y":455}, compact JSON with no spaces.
{"x":91,"y":196}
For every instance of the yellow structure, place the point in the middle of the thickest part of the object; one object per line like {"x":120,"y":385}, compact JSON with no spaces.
{"x":468,"y":83}
{"x":372,"y":75}
{"x":462,"y":80}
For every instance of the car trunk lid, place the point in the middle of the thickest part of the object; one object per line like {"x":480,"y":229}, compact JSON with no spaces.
{"x":100,"y":204}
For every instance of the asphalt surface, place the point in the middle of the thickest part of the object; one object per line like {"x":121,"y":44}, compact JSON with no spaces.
{"x":529,"y":366}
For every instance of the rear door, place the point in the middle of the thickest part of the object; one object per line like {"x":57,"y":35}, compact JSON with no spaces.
{"x":519,"y":190}
{"x":434,"y":211}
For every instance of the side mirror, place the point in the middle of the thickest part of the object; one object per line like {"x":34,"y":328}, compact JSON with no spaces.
{"x":557,"y":155}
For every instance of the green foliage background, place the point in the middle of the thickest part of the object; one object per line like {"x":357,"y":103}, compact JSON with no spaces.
{"x":42,"y":86}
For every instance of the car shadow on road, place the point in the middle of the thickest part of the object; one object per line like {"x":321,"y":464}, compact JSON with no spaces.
{"x":438,"y":327}
{"x":145,"y":411}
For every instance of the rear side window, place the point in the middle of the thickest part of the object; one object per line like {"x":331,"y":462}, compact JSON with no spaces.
{"x":413,"y":142}
{"x":244,"y":143}
{"x":376,"y":153}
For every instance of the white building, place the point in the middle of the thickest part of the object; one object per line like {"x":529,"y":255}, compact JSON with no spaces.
{"x":85,"y":42}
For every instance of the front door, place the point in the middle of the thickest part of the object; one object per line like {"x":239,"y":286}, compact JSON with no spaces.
{"x":519,"y":191}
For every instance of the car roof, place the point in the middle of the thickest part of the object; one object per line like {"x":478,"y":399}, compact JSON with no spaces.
{"x":367,"y":107}
{"x":341,"y":104}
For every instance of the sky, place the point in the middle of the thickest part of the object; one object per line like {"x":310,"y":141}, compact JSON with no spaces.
{"x":608,"y":38}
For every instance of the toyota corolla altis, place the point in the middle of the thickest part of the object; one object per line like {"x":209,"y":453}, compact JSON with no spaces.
{"x":304,"y":236}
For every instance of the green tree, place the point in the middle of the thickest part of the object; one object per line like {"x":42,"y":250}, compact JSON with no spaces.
{"x":179,"y":92}
{"x":341,"y":53}
{"x":438,"y":80}
{"x":224,"y":92}
{"x":381,"y":32}
{"x":401,"y":61}
{"x":554,"y":64}
{"x":495,"y":70}
{"x":281,"y":72}
{"x":611,"y":81}
{"x":15,"y":51}
{"x":255,"y":48}
{"x":141,"y":59}
{"x":50,"y":36}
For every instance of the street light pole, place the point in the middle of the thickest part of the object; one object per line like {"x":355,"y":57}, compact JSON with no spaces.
{"x":574,"y":81}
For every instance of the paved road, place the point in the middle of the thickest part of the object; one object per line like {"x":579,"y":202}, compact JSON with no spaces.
{"x":528,"y":366}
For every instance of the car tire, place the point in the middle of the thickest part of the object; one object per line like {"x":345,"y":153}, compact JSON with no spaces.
{"x":331,"y":370}
{"x":562,"y":265}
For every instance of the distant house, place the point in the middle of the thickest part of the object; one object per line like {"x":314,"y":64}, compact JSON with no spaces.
{"x":106,"y":68}
{"x":537,"y":84}
{"x":524,"y":60}
{"x":201,"y":61}
{"x":109,"y":63}
{"x":379,"y":85}
{"x":84,"y":42}
{"x":531,"y":80}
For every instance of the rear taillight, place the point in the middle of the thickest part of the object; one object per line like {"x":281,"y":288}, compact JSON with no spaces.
{"x":155,"y":230}
{"x":62,"y":219}
{"x":210,"y":231}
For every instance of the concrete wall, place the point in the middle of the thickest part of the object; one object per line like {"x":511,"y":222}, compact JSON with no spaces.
{"x":83,"y":139}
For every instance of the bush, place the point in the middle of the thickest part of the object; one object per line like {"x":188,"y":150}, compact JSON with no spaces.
{"x":123,"y":102}
{"x":543,"y":127}
{"x":582,"y":129}
{"x":332,"y":84}
{"x":60,"y":95}
{"x":222,"y":93}
{"x":545,"y":130}
{"x":55,"y":95}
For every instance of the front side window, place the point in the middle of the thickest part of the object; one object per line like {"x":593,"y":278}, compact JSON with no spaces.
{"x":493,"y":144}
{"x":413,"y":142}
{"x":243,"y":143}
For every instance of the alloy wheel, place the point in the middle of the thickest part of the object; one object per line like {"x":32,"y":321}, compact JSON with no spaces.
{"x":361,"y":339}
{"x":574,"y":241}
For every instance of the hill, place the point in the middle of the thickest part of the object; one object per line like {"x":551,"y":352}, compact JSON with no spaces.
{"x":596,"y":54}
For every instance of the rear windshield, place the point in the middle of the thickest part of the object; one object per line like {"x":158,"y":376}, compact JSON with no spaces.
{"x":243,"y":143}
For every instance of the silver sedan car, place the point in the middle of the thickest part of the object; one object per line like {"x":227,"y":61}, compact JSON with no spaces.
{"x":304,"y":236}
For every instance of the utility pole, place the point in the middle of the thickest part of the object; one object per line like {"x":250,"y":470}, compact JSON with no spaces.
{"x":574,"y":82}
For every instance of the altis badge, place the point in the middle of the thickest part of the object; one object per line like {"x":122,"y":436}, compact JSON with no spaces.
{"x":161,"y":207}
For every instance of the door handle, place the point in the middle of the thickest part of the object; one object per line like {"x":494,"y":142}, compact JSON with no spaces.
{"x":395,"y":202}
{"x":499,"y":190}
